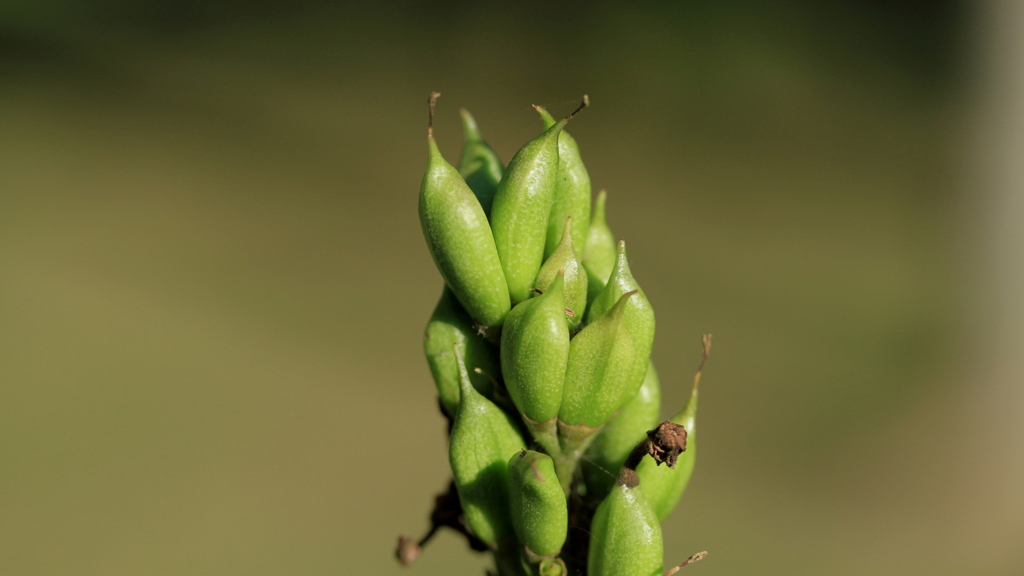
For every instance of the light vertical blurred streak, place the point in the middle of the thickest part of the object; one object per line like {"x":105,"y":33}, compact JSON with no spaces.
{"x":995,"y":237}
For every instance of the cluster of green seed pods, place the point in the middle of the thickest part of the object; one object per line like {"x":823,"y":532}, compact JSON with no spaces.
{"x":540,"y":348}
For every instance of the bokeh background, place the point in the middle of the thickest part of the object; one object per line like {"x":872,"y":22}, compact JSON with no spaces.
{"x":213,"y":283}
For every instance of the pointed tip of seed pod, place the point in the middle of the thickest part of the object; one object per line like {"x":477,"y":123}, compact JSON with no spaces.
{"x":598,"y":215}
{"x":545,"y":116}
{"x":557,"y":285}
{"x":470,"y":130}
{"x":567,"y":232}
{"x":431,"y":102}
{"x":616,"y":311}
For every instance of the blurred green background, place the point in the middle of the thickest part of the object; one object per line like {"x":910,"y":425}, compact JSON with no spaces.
{"x":213,"y":283}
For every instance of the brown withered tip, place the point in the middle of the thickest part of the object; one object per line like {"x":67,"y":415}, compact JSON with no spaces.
{"x":692,"y":559}
{"x":431,"y":102}
{"x":667,"y":442}
{"x":408,"y":550}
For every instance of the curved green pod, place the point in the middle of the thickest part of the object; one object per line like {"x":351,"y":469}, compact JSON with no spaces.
{"x":599,"y":251}
{"x":572,"y":191}
{"x":625,"y":536}
{"x":521,"y":208}
{"x":483,"y":436}
{"x":450,"y":326}
{"x":479,"y":164}
{"x":540,"y":514}
{"x":460,"y":241}
{"x":664,"y":486}
{"x":534,"y":354}
{"x":563,"y":260}
{"x":597,"y":379}
{"x":616,"y":440}
{"x":639,"y":315}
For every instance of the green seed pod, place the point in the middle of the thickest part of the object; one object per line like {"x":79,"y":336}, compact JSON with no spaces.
{"x":522,"y":207}
{"x":450,"y":326}
{"x":639,"y":316}
{"x":459,"y":239}
{"x":625,"y":536}
{"x":617,"y":439}
{"x":599,"y":251}
{"x":540,"y":515}
{"x":534,"y":354}
{"x":479,"y":164}
{"x":563,"y":259}
{"x":664,"y":486}
{"x":572,"y":192}
{"x":597,"y":379}
{"x":482,"y":438}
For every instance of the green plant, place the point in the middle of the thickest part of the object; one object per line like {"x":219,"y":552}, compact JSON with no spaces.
{"x":540,"y":349}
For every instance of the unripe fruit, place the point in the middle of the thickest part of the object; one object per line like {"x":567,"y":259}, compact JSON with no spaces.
{"x":534,"y":353}
{"x":460,"y":240}
{"x":450,"y":326}
{"x":522,"y":207}
{"x":614,"y":442}
{"x":665,"y":486}
{"x":483,"y":437}
{"x":540,"y":515}
{"x":625,"y":536}
{"x":572,"y":192}
{"x":599,"y":250}
{"x":563,"y":260}
{"x":638,"y":316}
{"x":479,"y":163}
{"x":597,"y":380}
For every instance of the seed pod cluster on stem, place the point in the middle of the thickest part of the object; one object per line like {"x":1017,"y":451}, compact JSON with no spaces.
{"x":540,"y":349}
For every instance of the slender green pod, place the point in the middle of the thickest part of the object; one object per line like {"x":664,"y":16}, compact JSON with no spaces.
{"x":639,"y":315}
{"x":563,"y":260}
{"x":482,"y":438}
{"x":450,"y":326}
{"x":599,"y":250}
{"x":597,"y":379}
{"x":572,"y":191}
{"x":522,"y":207}
{"x":616,"y":440}
{"x":479,"y":163}
{"x":665,"y":486}
{"x":459,"y":238}
{"x":540,"y":514}
{"x":625,"y":536}
{"x":534,"y":354}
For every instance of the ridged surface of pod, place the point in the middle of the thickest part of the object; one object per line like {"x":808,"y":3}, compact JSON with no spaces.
{"x":483,"y":438}
{"x":540,"y":515}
